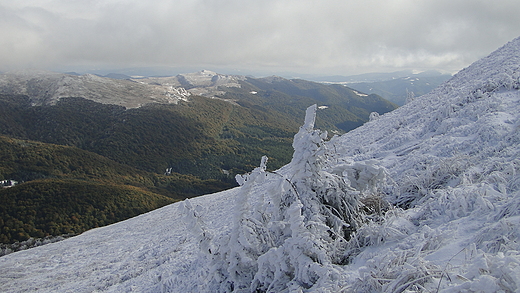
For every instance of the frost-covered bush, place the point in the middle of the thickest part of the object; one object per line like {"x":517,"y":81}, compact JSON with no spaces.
{"x":395,"y":271}
{"x":195,"y":224}
{"x":478,"y":271}
{"x":410,"y":96}
{"x":373,"y":116}
{"x":295,"y":233}
{"x":6,"y":249}
{"x":431,"y":176}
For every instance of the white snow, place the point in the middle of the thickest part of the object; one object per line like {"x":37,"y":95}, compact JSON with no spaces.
{"x":45,"y":88}
{"x":8,"y":183}
{"x":360,"y":94}
{"x":439,"y":178}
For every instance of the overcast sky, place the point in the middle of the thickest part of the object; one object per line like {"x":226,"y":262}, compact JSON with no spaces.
{"x":267,"y":37}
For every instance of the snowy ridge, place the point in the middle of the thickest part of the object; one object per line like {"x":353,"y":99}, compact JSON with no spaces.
{"x":46,"y":88}
{"x":422,"y":199}
{"x":204,"y":83}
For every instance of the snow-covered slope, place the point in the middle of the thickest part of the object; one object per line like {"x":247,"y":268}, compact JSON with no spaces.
{"x":423,"y":199}
{"x":44,"y":87}
{"x":204,"y":83}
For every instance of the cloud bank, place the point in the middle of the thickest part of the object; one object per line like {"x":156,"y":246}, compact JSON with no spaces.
{"x":302,"y":36}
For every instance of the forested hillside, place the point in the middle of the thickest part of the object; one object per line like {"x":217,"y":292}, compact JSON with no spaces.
{"x":342,"y":109}
{"x":77,"y":161}
{"x":209,"y":138}
{"x":63,"y":189}
{"x":201,"y":137}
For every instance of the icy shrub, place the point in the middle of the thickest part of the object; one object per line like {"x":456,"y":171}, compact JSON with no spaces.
{"x":6,"y":249}
{"x":294,"y":233}
{"x":510,"y":210}
{"x":373,"y":116}
{"x":192,"y":217}
{"x":500,"y":237}
{"x":375,"y":205}
{"x":364,"y":176}
{"x":482,"y":272}
{"x":410,"y":96}
{"x":370,"y":180}
{"x":419,"y":183}
{"x":500,"y":82}
{"x":391,"y":227}
{"x":395,"y":271}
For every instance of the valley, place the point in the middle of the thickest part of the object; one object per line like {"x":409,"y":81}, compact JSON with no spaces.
{"x":63,"y":134}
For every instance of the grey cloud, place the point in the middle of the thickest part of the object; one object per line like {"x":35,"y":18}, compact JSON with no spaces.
{"x":330,"y":37}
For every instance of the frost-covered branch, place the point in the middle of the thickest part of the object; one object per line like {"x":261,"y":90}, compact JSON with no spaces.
{"x":295,"y":231}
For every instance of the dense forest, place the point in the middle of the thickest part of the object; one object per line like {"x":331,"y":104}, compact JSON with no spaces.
{"x":200,"y":137}
{"x":66,"y":190}
{"x":68,"y":206}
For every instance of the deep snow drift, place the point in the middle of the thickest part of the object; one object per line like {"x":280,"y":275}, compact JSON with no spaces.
{"x":425,"y":198}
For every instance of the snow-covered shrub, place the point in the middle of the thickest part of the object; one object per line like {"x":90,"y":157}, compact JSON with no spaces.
{"x":365,"y":176}
{"x":373,"y":116}
{"x":500,"y":237}
{"x":391,"y":227}
{"x":511,"y":209}
{"x":370,"y":180}
{"x":395,"y":271}
{"x":431,"y":176}
{"x":6,"y":249}
{"x":195,"y":224}
{"x":293,"y":235}
{"x":453,"y":203}
{"x":410,"y":96}
{"x":482,"y":272}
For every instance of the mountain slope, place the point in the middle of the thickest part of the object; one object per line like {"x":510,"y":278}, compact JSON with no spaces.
{"x":434,"y":184}
{"x":341,"y":107}
{"x":399,"y":89}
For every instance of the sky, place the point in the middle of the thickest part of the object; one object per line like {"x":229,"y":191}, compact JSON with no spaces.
{"x":267,"y":37}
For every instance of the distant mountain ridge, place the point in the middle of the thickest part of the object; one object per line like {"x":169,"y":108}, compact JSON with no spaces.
{"x":46,"y":88}
{"x":401,"y":89}
{"x":375,"y":76}
{"x":396,"y":87}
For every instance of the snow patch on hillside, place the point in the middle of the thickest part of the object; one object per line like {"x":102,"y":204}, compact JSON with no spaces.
{"x":360,"y":94}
